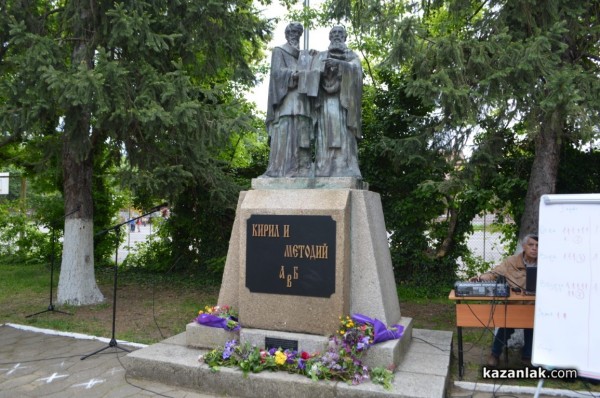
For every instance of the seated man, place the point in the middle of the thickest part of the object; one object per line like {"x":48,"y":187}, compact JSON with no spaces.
{"x":513,"y":269}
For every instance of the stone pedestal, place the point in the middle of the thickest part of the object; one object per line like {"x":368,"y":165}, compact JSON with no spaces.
{"x":299,"y":258}
{"x":267,"y":183}
{"x":200,"y":336}
{"x":364,"y":276}
{"x":312,"y":249}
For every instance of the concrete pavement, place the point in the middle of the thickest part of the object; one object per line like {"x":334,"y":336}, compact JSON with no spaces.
{"x":44,"y":363}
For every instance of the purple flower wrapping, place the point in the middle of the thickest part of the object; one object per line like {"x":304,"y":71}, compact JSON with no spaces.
{"x":381,"y":331}
{"x":214,"y":321}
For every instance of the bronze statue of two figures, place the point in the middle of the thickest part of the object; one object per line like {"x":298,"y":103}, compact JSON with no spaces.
{"x":314,"y":105}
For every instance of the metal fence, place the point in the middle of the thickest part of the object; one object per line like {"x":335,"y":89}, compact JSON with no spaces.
{"x":484,"y":243}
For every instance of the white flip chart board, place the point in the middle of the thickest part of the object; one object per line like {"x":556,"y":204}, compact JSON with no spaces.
{"x":567,"y":308}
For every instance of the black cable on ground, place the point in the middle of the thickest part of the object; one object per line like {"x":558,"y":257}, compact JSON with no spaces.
{"x":153,"y":297}
{"x":135,"y":385}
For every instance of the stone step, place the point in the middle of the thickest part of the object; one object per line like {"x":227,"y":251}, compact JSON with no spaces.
{"x":423,"y":372}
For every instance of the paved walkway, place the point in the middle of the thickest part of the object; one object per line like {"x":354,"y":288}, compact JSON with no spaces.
{"x":41,"y":363}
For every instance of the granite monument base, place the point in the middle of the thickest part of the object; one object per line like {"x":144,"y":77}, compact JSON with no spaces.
{"x":200,"y":336}
{"x":357,"y":251}
{"x":423,"y":372}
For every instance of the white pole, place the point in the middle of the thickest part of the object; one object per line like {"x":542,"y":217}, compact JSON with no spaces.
{"x":306,"y":4}
{"x":538,"y":390}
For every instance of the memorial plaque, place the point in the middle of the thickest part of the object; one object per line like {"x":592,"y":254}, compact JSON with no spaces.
{"x":291,"y":255}
{"x":284,"y":344}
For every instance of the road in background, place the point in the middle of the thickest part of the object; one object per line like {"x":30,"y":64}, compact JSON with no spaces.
{"x":132,"y":239}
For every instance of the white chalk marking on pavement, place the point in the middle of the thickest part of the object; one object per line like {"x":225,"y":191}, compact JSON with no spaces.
{"x":15,"y":368}
{"x":89,"y":384}
{"x":74,"y":335}
{"x":50,"y":379}
{"x":114,"y":371}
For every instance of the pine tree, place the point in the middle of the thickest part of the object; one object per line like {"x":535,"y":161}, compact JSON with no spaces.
{"x":483,"y":63}
{"x":149,"y":80}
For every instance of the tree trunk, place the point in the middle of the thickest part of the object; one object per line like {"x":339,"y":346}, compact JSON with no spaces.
{"x":451,"y":233}
{"x":77,"y":281}
{"x":544,"y":170}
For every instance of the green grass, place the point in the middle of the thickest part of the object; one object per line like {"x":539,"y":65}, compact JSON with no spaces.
{"x":16,"y":278}
{"x":150,"y":307}
{"x":477,"y":336}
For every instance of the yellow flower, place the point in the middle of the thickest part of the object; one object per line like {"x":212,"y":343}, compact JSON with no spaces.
{"x":280,"y":358}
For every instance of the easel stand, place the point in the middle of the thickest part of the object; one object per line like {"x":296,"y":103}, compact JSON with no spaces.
{"x":113,"y":341}
{"x":51,"y":307}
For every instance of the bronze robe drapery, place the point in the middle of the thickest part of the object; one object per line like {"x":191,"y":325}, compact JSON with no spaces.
{"x":289,"y":121}
{"x":338,"y":110}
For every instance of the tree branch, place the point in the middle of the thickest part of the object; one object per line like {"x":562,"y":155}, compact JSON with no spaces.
{"x":370,"y":71}
{"x":476,"y":11}
{"x":55,"y":11}
{"x":451,"y":232}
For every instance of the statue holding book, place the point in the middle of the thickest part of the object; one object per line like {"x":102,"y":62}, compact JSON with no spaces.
{"x":314,"y":98}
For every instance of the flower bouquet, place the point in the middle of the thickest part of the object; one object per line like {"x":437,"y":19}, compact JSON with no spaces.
{"x":377,"y":330}
{"x":219,"y":317}
{"x":340,"y":361}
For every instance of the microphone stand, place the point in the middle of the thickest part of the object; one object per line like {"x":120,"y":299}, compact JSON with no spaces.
{"x":51,"y":307}
{"x":117,"y":228}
